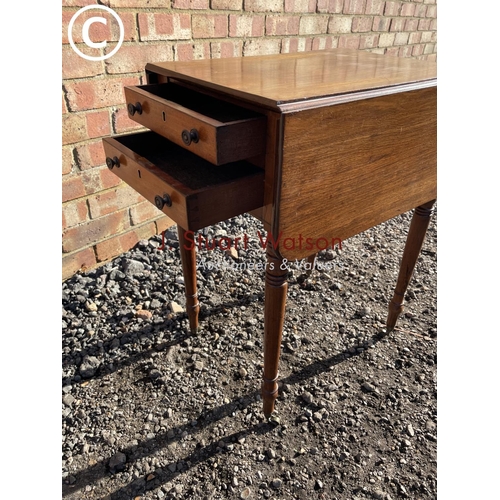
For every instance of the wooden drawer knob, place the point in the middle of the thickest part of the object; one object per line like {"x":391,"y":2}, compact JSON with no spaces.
{"x":189,"y":136}
{"x":133,"y":109}
{"x":112,"y":162}
{"x":161,"y":201}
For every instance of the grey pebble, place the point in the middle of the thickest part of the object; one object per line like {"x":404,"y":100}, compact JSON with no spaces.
{"x":89,"y":366}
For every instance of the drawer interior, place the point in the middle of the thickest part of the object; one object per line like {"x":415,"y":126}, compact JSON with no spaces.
{"x":212,"y":107}
{"x":191,"y":171}
{"x":190,"y":190}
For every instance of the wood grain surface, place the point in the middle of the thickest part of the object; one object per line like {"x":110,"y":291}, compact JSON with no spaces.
{"x":349,"y":167}
{"x":277,"y":79}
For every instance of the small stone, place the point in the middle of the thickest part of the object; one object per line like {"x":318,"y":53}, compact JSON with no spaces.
{"x":271,"y":453}
{"x":277,"y":483}
{"x":430,"y":425}
{"x":275,"y":420}
{"x":144,"y":314}
{"x":117,"y":462}
{"x":363,"y":311}
{"x":307,"y":397}
{"x":90,"y":306}
{"x":172,"y":467}
{"x":319,"y":485}
{"x":318,"y":416}
{"x":198,"y":365}
{"x":155,"y":304}
{"x":242,"y":372}
{"x":233,"y":253}
{"x":68,"y":399}
{"x":176,"y":308}
{"x":343,"y":455}
{"x":367,"y":387}
{"x":133,"y":267}
{"x":409,"y":430}
{"x":89,"y":366}
{"x":405,"y":443}
{"x":245,"y":493}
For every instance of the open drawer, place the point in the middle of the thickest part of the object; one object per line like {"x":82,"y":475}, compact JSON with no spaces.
{"x":216,"y":130}
{"x":190,"y":190}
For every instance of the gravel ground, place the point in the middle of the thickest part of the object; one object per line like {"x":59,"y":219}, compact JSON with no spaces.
{"x":152,"y":412}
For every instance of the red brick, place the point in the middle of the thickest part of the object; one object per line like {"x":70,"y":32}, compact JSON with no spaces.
{"x":300,"y":5}
{"x":417,"y":50}
{"x":74,"y":128}
{"x":192,"y":51}
{"x":98,"y":124}
{"x":324,"y":43}
{"x":420,"y":10}
{"x":349,"y":41}
{"x":163,"y":223}
{"x":405,"y":51}
{"x":104,"y":203}
{"x":330,"y":6}
{"x":381,"y":23}
{"x":226,"y":49}
{"x":143,"y":4}
{"x":392,"y":8}
{"x":133,"y":58}
{"x":95,"y":230}
{"x":97,"y":93}
{"x":432,"y":57}
{"x":98,"y":32}
{"x":210,"y":25}
{"x":302,"y":44}
{"x":392,"y":51}
{"x":164,"y":26}
{"x":143,"y":212}
{"x":246,"y":25}
{"x":122,"y":123}
{"x":424,"y":24}
{"x":354,"y":6}
{"x":98,"y":179}
{"x":190,"y":4}
{"x":78,"y":261}
{"x":411,"y":25}
{"x":397,"y":24}
{"x":368,"y":41}
{"x":408,"y":9}
{"x":433,"y":24}
{"x":90,"y":155}
{"x":415,"y":37}
{"x":73,"y":213}
{"x":227,"y":4}
{"x":282,"y":25}
{"x":401,"y":39}
{"x":431,"y":11}
{"x":67,"y":160}
{"x":375,"y":7}
{"x":76,"y":3}
{"x":261,"y":47}
{"x":430,"y":1}
{"x":74,"y":66}
{"x":362,"y":24}
{"x":426,"y":37}
{"x":263,"y":5}
{"x":116,"y":245}
{"x":64,"y":105}
{"x":310,"y":25}
{"x":72,"y":187}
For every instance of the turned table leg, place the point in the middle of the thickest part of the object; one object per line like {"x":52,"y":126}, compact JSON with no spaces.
{"x":418,"y":228}
{"x":188,"y":258}
{"x":274,"y":314}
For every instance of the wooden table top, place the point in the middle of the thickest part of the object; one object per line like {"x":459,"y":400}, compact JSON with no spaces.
{"x":275,"y":80}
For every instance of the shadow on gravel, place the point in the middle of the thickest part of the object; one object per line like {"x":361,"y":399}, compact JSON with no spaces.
{"x":165,"y":474}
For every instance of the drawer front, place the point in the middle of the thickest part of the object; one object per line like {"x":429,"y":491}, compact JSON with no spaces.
{"x":213,"y":129}
{"x":190,"y":190}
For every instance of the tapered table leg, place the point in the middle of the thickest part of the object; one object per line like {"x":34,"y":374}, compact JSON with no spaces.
{"x":274,"y":314}
{"x":311,"y":260}
{"x":418,"y":228}
{"x":188,"y":258}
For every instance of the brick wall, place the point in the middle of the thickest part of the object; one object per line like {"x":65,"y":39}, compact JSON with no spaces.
{"x":102,"y":217}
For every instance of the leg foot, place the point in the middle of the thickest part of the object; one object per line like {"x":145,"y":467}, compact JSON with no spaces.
{"x":414,"y":242}
{"x":274,"y":313}
{"x":188,"y":258}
